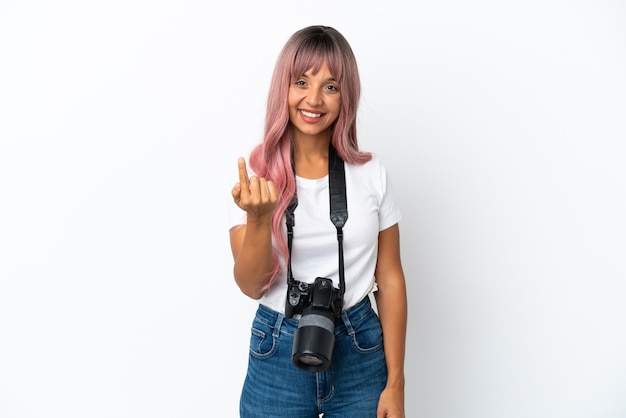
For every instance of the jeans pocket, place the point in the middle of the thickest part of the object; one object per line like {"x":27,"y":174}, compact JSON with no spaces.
{"x":262,"y":343}
{"x":368,"y":334}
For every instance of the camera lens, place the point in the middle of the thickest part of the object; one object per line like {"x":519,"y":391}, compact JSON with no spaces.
{"x":314,"y":340}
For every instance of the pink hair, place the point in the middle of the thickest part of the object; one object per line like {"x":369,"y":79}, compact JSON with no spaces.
{"x":306,"y":49}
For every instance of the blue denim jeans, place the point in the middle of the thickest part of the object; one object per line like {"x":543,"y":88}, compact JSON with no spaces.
{"x":349,"y":388}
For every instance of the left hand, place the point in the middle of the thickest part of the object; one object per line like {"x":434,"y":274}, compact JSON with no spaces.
{"x":391,"y":404}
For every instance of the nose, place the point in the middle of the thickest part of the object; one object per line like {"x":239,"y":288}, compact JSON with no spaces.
{"x":314,"y":97}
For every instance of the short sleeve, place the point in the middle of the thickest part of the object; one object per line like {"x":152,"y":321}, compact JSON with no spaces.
{"x":389,"y":213}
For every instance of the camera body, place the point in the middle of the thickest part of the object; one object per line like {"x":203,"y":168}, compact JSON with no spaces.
{"x":319,"y":304}
{"x":320,"y":294}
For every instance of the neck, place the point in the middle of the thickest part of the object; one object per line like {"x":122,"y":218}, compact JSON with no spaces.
{"x":311,"y":158}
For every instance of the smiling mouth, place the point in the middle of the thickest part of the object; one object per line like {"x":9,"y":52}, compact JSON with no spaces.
{"x":311,"y":115}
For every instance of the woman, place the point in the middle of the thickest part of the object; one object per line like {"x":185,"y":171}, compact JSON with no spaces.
{"x":311,"y":117}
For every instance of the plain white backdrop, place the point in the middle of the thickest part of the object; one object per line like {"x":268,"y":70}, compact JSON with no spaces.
{"x":502,"y":125}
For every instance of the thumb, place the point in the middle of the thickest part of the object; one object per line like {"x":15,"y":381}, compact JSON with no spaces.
{"x":236,"y":192}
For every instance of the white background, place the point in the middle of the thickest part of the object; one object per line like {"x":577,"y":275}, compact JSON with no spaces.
{"x":502,"y":125}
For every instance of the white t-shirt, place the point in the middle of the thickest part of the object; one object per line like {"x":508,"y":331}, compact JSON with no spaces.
{"x":371,"y":208}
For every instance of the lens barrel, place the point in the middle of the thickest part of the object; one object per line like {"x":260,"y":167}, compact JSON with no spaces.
{"x":314,"y":340}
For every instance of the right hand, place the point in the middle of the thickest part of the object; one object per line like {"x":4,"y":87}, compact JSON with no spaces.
{"x":256,"y":195}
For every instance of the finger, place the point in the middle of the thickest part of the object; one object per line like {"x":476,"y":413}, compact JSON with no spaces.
{"x":273,"y":194}
{"x":268,"y":191}
{"x":263,"y":188}
{"x":236,"y":191}
{"x":253,"y":187}
{"x":243,"y":172}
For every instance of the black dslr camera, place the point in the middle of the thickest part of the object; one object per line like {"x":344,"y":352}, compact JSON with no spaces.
{"x":319,"y":304}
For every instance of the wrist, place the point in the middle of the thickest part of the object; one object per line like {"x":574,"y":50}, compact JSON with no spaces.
{"x":259,"y":221}
{"x":396,"y":381}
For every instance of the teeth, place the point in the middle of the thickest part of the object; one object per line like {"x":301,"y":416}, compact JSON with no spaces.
{"x":311,"y":115}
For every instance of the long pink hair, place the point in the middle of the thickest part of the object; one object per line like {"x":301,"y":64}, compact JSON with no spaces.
{"x":306,"y":49}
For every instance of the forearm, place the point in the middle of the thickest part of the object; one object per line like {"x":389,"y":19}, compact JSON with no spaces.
{"x":254,"y":261}
{"x":392,"y":309}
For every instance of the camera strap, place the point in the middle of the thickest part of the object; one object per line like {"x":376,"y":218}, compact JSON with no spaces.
{"x":338,"y":212}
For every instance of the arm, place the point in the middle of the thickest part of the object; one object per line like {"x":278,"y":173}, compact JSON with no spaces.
{"x":392,"y":309}
{"x":251,"y":244}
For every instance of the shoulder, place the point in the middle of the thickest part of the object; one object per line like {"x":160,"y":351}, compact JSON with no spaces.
{"x":373,"y":167}
{"x":371,"y":176}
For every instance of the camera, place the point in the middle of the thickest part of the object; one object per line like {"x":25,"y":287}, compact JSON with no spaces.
{"x":318,"y":304}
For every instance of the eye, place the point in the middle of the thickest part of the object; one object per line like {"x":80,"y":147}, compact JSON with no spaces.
{"x":300,"y":83}
{"x":332,"y":88}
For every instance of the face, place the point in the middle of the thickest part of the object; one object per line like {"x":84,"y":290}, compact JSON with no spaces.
{"x":314,"y":103}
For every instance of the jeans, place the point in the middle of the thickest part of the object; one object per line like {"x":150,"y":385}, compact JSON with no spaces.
{"x":349,"y":387}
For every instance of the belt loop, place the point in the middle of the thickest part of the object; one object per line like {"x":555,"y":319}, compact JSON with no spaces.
{"x":348,"y":324}
{"x":279,"y":322}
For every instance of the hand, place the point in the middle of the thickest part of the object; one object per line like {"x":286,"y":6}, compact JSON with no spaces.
{"x":391,"y":404}
{"x":256,"y":195}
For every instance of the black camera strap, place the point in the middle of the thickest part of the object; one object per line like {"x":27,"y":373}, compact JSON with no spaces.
{"x":338,"y":212}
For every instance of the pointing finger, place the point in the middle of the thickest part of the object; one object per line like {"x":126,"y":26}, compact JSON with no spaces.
{"x":243,"y":173}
